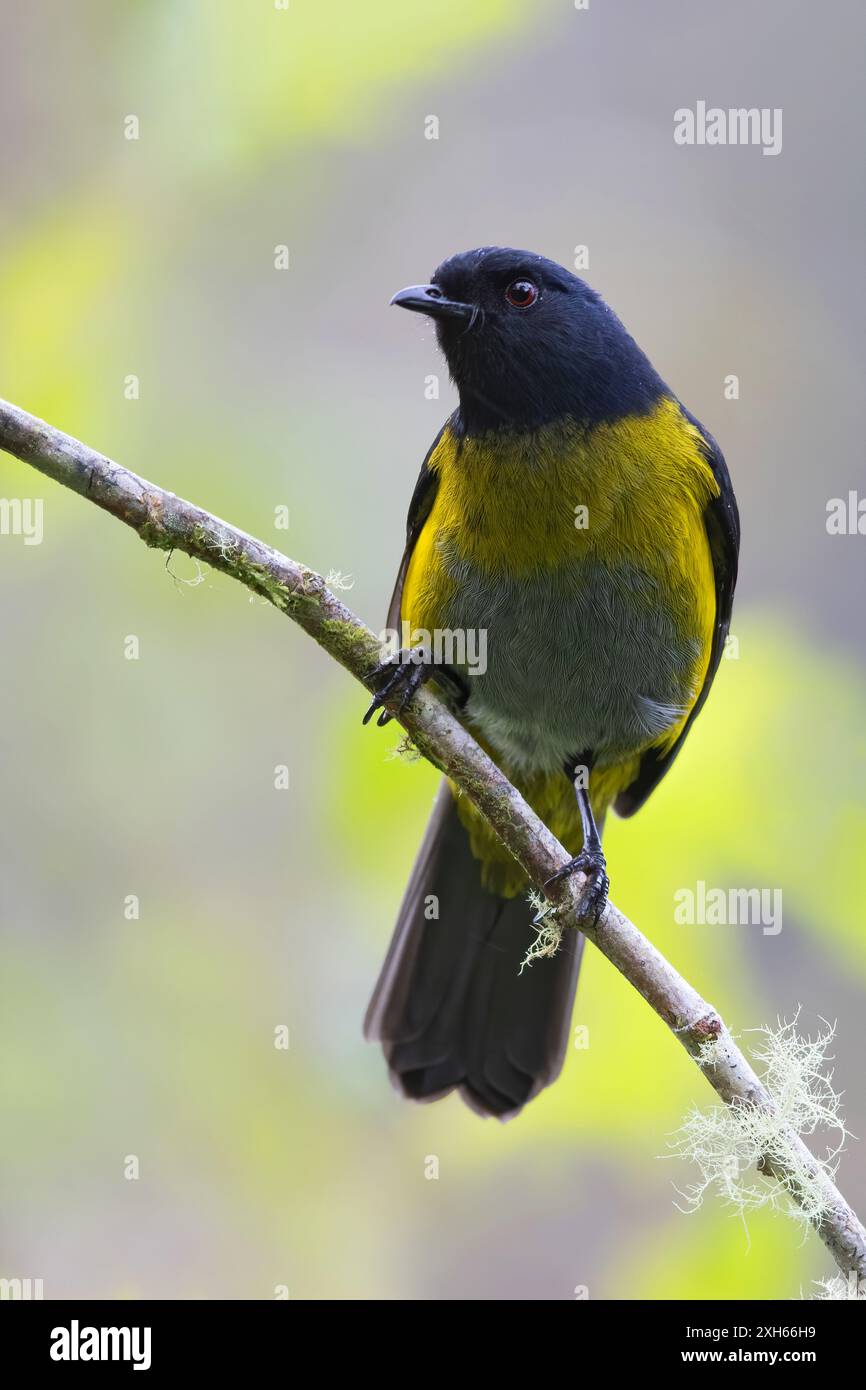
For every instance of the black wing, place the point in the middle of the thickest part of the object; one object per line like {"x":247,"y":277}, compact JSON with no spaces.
{"x":419,"y":510}
{"x":722,"y":521}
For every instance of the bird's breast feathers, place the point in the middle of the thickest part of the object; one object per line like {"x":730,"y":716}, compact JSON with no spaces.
{"x":581,"y":554}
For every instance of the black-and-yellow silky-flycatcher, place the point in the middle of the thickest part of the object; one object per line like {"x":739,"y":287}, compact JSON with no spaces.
{"x":576,"y":514}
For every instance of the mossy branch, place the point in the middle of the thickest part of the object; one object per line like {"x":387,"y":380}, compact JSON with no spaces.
{"x":167,"y":522}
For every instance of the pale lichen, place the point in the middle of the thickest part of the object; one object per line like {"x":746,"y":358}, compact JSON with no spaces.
{"x":336,"y":579}
{"x":743,"y":1151}
{"x":405,"y":751}
{"x":548,"y":938}
{"x":709,"y":1052}
{"x":839,"y":1287}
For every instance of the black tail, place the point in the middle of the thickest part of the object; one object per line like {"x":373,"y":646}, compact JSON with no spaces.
{"x":450,"y":1007}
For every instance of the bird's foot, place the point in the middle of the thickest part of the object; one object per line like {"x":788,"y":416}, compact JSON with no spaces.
{"x":397,"y":679}
{"x":593,"y":899}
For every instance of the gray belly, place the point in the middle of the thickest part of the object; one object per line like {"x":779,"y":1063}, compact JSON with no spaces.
{"x":584,"y":661}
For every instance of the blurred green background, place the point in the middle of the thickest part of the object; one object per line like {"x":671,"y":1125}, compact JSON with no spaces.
{"x":260,"y":388}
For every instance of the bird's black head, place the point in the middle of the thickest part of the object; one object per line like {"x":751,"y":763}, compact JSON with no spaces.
{"x":528,"y":343}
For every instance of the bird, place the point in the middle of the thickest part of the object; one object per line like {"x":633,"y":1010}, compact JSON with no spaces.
{"x":573,"y":512}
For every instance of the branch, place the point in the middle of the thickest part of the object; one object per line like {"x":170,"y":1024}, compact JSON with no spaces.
{"x":167,"y":522}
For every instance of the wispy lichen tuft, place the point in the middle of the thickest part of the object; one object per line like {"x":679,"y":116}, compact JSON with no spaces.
{"x":404,"y":751}
{"x":336,"y":579}
{"x":840,"y":1286}
{"x":710,"y":1052}
{"x":743,"y":1152}
{"x":549,"y":934}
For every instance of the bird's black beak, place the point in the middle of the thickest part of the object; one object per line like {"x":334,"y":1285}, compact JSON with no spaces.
{"x":429,"y":299}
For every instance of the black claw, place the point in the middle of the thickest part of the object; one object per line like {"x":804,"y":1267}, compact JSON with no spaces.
{"x":593,"y":899}
{"x":403,"y":674}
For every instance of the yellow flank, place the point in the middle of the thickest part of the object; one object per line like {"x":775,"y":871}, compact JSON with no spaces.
{"x":632,"y":492}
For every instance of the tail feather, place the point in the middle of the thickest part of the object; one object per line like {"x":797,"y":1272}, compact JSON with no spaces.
{"x":451,"y":1008}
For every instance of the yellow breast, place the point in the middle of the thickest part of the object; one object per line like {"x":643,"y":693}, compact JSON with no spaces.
{"x":633,"y":492}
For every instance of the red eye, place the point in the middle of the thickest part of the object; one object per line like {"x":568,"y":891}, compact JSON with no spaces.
{"x":521,"y":294}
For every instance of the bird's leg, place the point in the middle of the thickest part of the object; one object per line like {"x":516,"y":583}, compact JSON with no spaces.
{"x":399,"y":676}
{"x":590,"y":861}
